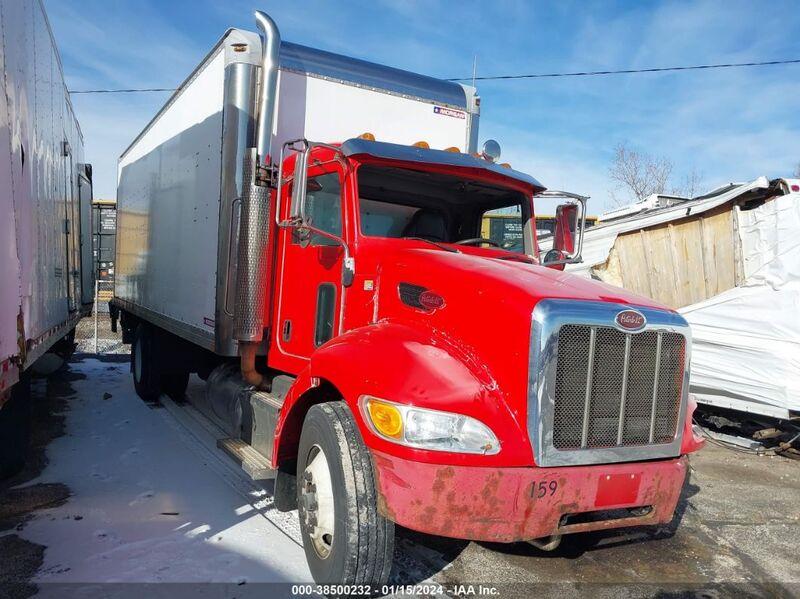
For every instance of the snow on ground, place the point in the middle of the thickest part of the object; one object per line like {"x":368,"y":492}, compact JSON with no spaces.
{"x":145,"y":506}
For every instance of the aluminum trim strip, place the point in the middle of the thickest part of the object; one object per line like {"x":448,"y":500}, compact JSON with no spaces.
{"x":655,"y":388}
{"x":587,"y":398}
{"x":238,"y":130}
{"x":624,"y":392}
{"x":369,"y":75}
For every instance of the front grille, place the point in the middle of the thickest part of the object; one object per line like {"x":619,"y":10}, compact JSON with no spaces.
{"x":616,"y":389}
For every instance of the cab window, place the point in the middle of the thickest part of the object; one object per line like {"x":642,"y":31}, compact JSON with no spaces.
{"x":324,"y":206}
{"x":406,"y":203}
{"x":504,"y":226}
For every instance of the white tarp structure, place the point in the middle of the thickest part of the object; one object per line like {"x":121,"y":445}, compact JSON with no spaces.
{"x":746,"y":338}
{"x":746,"y":341}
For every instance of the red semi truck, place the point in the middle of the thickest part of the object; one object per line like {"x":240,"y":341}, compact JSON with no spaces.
{"x":283,"y":235}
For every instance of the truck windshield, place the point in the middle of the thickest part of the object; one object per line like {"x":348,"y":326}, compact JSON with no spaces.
{"x":406,"y":203}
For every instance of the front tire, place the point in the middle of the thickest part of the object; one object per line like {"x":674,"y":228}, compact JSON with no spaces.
{"x":146,"y":380}
{"x":345,"y":539}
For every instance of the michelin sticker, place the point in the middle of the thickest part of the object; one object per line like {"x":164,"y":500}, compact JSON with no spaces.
{"x":449,"y":112}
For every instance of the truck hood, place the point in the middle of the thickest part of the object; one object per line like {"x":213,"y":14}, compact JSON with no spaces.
{"x":489,"y":278}
{"x":484,"y":325}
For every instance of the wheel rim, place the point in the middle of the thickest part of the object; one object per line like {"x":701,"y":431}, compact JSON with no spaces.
{"x":137,"y":361}
{"x":316,"y":502}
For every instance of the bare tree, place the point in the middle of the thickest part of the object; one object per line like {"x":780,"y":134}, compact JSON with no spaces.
{"x":691,"y":185}
{"x":637,"y":175}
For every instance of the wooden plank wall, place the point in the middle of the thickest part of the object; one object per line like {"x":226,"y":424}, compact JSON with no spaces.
{"x":678,"y":263}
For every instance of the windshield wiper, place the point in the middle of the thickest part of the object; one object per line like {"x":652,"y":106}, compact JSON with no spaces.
{"x":436,"y":243}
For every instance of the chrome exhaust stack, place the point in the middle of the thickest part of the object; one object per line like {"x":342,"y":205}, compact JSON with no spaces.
{"x":254,"y":240}
{"x":270,"y":63}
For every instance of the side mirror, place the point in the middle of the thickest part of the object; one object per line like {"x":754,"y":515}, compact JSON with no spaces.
{"x":298,"y":217}
{"x":554,"y":259}
{"x":299,"y":186}
{"x":563,"y":238}
{"x":569,"y":230}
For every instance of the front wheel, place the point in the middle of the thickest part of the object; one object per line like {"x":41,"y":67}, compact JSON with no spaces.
{"x":345,"y":539}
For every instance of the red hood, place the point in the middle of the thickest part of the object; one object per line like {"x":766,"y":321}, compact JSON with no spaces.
{"x":485,"y":324}
{"x":520,"y":283}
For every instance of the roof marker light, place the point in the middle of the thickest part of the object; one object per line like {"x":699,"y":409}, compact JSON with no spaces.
{"x":367,"y":135}
{"x":422,"y":144}
{"x":453,"y":149}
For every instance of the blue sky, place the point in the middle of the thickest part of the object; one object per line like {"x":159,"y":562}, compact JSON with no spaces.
{"x":729,"y":125}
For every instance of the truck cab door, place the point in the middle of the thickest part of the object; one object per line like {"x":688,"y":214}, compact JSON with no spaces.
{"x":309,"y":288}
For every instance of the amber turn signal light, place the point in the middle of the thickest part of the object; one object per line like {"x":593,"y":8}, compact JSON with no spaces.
{"x":386,"y":418}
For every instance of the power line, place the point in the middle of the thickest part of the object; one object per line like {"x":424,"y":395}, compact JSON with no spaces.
{"x":123,"y":91}
{"x":503,"y":77}
{"x":629,"y":71}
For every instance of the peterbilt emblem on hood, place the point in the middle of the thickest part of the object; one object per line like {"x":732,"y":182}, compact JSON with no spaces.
{"x":631,"y":320}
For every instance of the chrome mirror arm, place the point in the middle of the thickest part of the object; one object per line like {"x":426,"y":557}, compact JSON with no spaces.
{"x":348,"y":262}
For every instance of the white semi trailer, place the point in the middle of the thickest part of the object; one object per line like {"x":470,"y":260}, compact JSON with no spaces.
{"x":46,"y":277}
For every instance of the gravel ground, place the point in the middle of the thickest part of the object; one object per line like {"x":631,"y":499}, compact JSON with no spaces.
{"x":107,"y":341}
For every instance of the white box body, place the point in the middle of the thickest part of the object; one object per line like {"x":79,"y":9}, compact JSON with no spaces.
{"x":179,"y":181}
{"x":46,"y":274}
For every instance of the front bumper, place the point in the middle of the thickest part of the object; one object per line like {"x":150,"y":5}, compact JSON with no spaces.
{"x":519,"y":504}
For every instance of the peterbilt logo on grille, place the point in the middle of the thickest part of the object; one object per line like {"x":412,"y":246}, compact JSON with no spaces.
{"x":631,"y":320}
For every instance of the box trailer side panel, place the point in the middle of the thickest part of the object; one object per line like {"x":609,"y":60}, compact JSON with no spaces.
{"x":168,"y":208}
{"x":180,"y":182}
{"x":42,"y":156}
{"x":9,"y":260}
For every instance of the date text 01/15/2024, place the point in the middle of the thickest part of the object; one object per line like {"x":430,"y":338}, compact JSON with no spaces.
{"x":411,"y":590}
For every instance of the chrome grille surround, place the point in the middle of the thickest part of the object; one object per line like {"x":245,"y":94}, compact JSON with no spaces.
{"x":590,"y":431}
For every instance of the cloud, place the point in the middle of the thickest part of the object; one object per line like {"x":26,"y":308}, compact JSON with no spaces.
{"x":733,"y":124}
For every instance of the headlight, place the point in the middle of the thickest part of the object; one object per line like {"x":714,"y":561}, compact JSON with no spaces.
{"x":428,"y":429}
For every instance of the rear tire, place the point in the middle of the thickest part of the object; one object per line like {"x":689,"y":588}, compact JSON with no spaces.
{"x":174,"y":385}
{"x":345,"y":539}
{"x":146,"y":380}
{"x":15,"y":428}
